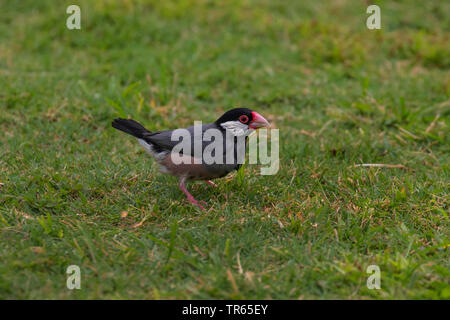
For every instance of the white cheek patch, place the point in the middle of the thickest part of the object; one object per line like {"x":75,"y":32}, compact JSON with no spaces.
{"x":236,"y":128}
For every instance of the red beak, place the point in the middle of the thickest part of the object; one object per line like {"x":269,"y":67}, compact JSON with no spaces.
{"x":258,"y":121}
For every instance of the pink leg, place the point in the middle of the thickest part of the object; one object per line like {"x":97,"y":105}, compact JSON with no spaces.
{"x":212,"y":184}
{"x":188,"y":195}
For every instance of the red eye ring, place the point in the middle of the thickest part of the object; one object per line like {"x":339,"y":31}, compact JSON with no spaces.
{"x":243,"y":118}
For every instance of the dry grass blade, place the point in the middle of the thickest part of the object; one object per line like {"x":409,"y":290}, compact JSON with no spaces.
{"x":433,"y":123}
{"x":232,"y":281}
{"x":380,"y":165}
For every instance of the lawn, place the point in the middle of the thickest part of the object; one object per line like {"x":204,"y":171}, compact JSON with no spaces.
{"x":74,"y":191}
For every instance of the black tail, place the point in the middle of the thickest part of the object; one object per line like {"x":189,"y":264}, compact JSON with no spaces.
{"x":130,"y":126}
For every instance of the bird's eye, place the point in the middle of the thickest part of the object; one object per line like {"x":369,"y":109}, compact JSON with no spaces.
{"x":243,"y":118}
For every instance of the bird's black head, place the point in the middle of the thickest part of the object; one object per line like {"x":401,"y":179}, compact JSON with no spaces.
{"x":241,"y":119}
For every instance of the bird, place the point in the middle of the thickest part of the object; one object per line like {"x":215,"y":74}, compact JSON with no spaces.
{"x":185,"y":164}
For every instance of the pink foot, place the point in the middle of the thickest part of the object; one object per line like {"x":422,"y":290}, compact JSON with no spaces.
{"x":195,"y":202}
{"x":212,"y":184}
{"x":189,"y":196}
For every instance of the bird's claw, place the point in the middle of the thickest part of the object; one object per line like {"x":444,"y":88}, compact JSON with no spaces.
{"x":212,"y":184}
{"x":189,"y":196}
{"x":200,"y":203}
{"x":197,"y":203}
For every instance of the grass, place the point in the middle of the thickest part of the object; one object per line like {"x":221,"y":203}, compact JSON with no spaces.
{"x":76,"y":191}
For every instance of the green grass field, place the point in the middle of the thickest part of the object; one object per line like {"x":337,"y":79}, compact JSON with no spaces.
{"x":74,"y":191}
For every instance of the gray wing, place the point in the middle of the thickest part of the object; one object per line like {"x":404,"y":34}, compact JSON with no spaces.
{"x":165,"y":140}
